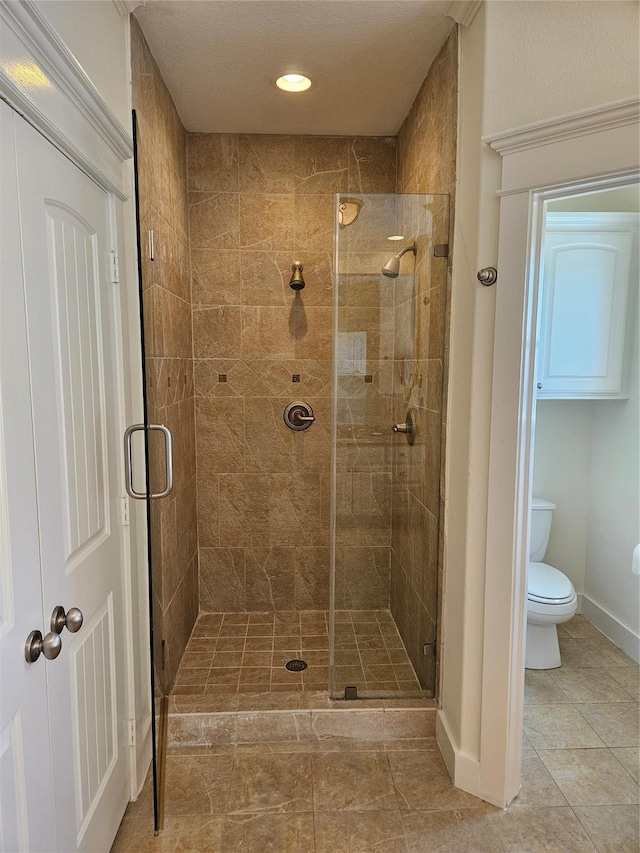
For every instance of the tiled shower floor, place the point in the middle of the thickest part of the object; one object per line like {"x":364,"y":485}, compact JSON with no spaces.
{"x":239,"y":653}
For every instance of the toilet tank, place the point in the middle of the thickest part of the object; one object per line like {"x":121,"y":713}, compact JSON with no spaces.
{"x":539,"y":528}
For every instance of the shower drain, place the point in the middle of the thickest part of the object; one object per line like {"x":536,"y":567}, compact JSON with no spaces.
{"x":296,"y":665}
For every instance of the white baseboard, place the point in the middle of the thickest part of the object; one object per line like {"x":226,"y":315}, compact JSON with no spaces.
{"x":613,"y":628}
{"x":464,"y":770}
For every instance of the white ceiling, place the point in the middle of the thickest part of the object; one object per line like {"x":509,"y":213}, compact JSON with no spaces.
{"x":368,"y":59}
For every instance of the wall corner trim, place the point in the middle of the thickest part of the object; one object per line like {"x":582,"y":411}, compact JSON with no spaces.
{"x":125,"y":7}
{"x":462,"y":11}
{"x":43,"y":81}
{"x":593,"y":120}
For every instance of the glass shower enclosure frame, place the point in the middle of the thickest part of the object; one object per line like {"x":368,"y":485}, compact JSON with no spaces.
{"x":388,"y":369}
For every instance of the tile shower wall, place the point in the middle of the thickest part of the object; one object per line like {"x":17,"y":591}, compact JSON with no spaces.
{"x":426,"y":164}
{"x":169,"y":361}
{"x":256,"y":205}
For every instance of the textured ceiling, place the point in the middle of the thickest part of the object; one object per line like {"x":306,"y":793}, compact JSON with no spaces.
{"x":368,"y":59}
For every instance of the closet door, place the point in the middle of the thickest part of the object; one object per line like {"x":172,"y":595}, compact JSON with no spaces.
{"x":26,"y":780}
{"x":75,"y":371}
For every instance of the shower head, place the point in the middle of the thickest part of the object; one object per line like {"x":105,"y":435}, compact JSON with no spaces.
{"x":392,"y":268}
{"x":297,"y":281}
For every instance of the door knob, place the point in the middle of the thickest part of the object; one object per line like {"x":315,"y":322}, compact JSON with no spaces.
{"x":72,"y":620}
{"x":50,"y":646}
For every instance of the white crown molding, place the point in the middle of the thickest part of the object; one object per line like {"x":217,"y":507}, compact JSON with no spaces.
{"x":594,"y":120}
{"x":125,"y":7}
{"x":43,"y":81}
{"x":462,"y":11}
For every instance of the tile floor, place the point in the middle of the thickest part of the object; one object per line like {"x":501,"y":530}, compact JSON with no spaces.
{"x":579,"y":782}
{"x":246,"y":653}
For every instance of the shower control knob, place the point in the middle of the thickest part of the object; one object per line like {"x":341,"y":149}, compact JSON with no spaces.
{"x":298,"y":416}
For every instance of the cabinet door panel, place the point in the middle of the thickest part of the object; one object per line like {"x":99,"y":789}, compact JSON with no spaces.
{"x":584,"y":308}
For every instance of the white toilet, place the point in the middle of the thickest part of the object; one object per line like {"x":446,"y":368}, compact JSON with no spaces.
{"x":551,"y":598}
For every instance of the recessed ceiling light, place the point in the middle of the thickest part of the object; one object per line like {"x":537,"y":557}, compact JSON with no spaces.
{"x":396,"y":237}
{"x":293,"y":83}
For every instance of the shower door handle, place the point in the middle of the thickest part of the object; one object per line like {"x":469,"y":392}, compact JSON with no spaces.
{"x":128,"y":461}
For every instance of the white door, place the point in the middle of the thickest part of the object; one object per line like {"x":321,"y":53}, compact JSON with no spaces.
{"x":71,"y":318}
{"x":26,"y":781}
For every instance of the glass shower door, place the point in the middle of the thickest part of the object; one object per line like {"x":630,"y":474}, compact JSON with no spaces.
{"x":388,"y":372}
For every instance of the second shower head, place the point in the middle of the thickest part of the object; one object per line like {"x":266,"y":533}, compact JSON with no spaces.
{"x":392,"y":268}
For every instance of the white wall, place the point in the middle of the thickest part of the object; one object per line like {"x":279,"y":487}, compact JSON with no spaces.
{"x":520,"y":62}
{"x":562,"y":469}
{"x":614,"y":504}
{"x":98,"y":37}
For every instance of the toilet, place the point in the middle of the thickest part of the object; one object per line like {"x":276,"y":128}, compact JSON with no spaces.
{"x":551,"y":598}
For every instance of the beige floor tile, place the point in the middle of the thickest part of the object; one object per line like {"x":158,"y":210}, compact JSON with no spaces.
{"x":613,"y":829}
{"x":558,"y":727}
{"x":524,"y":829}
{"x":540,"y":689}
{"x":359,"y":832}
{"x":629,"y":678}
{"x":616,"y":724}
{"x":607,"y":652}
{"x":268,"y":833}
{"x":590,"y":777}
{"x":136,"y":834}
{"x":197,"y":784}
{"x":422,"y":782}
{"x":575,"y":653}
{"x":629,"y":757}
{"x":588,"y":685}
{"x":581,"y":629}
{"x":180,"y":835}
{"x":460,"y":830}
{"x":355,"y":781}
{"x":270,"y":783}
{"x":538,"y":787}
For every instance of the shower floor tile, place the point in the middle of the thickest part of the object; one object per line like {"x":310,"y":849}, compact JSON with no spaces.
{"x":237,"y":653}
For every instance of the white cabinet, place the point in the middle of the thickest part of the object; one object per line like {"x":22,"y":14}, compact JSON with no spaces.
{"x":586,"y":274}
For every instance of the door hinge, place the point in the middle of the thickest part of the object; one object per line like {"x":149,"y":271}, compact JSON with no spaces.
{"x":114,"y":267}
{"x":429,"y":649}
{"x":123,"y":512}
{"x":132,"y":732}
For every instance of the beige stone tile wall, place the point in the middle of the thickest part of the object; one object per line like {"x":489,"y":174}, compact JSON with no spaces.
{"x":256,"y":205}
{"x":169,"y":356}
{"x":426,"y":164}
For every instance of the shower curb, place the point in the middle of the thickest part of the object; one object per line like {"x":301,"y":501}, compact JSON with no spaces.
{"x":301,"y":726}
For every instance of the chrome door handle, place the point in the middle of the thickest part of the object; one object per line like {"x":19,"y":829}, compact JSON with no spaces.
{"x":72,"y":620}
{"x":50,"y":646}
{"x":128,"y":461}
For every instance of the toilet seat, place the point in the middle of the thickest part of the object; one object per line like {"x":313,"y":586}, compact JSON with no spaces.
{"x":548,"y":586}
